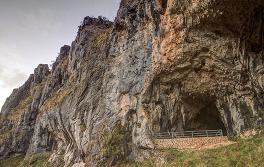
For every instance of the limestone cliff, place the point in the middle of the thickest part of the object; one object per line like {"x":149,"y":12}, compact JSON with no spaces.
{"x":163,"y":65}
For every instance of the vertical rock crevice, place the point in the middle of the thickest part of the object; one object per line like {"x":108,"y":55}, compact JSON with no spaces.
{"x":161,"y":66}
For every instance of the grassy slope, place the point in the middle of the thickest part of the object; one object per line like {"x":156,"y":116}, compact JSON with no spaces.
{"x":11,"y":162}
{"x":35,"y":160}
{"x":244,"y":153}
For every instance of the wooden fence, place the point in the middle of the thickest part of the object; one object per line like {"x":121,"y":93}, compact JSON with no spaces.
{"x":188,"y":134}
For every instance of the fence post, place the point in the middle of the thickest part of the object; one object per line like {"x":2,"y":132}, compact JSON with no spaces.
{"x":201,"y":133}
{"x":221,"y":132}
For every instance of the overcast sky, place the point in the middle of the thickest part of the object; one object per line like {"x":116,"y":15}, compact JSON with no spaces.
{"x":32,"y":32}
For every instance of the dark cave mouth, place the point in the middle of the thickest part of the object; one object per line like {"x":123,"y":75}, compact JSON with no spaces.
{"x":207,"y":118}
{"x":200,"y":113}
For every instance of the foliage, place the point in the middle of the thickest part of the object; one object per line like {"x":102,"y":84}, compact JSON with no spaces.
{"x":83,"y":127}
{"x":111,"y":143}
{"x":22,"y":106}
{"x":36,"y":160}
{"x":11,"y":162}
{"x":4,"y":135}
{"x":55,"y":100}
{"x":64,"y":64}
{"x":244,"y":153}
{"x":33,"y":160}
{"x":101,"y":38}
{"x":135,"y":164}
{"x":40,"y":86}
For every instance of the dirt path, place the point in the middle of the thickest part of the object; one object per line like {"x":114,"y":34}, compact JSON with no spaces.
{"x":198,"y":143}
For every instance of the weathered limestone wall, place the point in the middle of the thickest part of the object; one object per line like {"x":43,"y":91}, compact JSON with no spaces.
{"x":162,"y":66}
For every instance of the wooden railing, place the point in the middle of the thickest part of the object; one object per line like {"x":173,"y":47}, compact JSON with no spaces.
{"x":188,"y":134}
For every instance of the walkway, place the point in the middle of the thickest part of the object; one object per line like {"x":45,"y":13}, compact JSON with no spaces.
{"x":191,"y":140}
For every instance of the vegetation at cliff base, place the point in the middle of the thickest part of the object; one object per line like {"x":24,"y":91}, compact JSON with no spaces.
{"x":244,"y":153}
{"x":12,"y":162}
{"x":34,"y":160}
{"x":113,"y":145}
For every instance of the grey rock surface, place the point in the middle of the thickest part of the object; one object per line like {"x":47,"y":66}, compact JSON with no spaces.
{"x":163,"y":65}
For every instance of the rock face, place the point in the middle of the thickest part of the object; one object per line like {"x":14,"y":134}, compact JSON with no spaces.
{"x":163,"y":65}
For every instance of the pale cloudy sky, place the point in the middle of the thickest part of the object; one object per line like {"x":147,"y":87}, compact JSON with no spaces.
{"x":32,"y":32}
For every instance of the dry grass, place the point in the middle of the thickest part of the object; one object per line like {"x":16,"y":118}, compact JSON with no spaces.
{"x":33,"y":160}
{"x":112,"y":143}
{"x":41,"y":85}
{"x":101,"y":38}
{"x":22,"y":107}
{"x":5,"y":135}
{"x":244,"y":153}
{"x":11,"y":162}
{"x":55,"y":100}
{"x":64,"y":64}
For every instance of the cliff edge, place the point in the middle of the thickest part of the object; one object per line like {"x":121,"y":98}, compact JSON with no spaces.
{"x":161,"y":66}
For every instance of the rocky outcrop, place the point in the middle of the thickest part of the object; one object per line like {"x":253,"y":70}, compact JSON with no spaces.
{"x":163,"y":65}
{"x":18,"y":115}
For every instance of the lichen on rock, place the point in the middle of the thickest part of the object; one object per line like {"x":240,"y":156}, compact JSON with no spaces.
{"x":162,"y":65}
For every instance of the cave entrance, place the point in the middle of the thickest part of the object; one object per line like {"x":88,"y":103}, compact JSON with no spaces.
{"x":205,"y":117}
{"x":191,"y":113}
